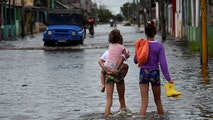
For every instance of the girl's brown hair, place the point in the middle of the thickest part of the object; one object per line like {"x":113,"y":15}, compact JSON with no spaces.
{"x":114,"y":36}
{"x":150,"y":29}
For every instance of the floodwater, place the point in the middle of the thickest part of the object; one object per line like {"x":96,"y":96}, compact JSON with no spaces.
{"x":39,"y":83}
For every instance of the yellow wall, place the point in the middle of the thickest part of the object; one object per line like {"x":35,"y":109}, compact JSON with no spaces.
{"x":26,"y":2}
{"x":17,"y":2}
{"x":29,"y":2}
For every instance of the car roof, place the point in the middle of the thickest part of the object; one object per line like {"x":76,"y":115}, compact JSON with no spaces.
{"x":71,"y":11}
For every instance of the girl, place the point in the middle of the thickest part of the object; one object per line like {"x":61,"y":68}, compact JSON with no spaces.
{"x":149,"y":72}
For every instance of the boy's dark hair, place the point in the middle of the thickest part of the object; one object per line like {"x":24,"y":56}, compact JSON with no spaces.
{"x":114,"y":36}
{"x":150,"y":29}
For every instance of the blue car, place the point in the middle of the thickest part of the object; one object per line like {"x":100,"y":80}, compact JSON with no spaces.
{"x":64,"y":26}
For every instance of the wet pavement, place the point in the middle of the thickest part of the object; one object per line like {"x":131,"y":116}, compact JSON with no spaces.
{"x":63,"y":83}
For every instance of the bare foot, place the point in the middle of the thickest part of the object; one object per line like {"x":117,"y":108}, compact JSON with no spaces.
{"x":103,"y":88}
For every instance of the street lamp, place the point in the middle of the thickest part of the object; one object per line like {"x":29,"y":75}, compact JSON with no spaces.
{"x":100,"y":4}
{"x":128,"y":10}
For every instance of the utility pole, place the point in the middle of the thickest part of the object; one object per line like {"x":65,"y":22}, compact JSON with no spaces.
{"x":14,"y":20}
{"x":138,"y":15}
{"x":204,"y":45}
{"x":22,"y":19}
{"x":162,"y":21}
{"x":144,"y":12}
{"x":48,"y":4}
{"x":1,"y":17}
{"x":79,"y":4}
{"x":150,"y":10}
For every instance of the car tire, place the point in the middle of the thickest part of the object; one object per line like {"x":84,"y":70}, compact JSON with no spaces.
{"x":48,"y":43}
{"x":82,"y":41}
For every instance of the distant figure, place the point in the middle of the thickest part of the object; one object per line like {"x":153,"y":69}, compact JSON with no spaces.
{"x":115,"y":24}
{"x":98,"y":21}
{"x":85,"y":25}
{"x":31,"y":22}
{"x":91,"y":21}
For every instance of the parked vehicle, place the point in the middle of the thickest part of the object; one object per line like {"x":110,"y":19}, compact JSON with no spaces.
{"x":64,"y":26}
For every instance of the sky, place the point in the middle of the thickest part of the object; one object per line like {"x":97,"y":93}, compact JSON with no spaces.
{"x":112,"y":5}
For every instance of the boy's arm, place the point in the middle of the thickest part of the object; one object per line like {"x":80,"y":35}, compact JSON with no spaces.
{"x":101,"y":63}
{"x":126,"y":53}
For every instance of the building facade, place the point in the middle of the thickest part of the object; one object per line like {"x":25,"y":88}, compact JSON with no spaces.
{"x":183,"y":18}
{"x":16,"y":14}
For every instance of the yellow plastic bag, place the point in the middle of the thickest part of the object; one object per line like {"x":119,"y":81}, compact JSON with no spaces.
{"x":170,"y":90}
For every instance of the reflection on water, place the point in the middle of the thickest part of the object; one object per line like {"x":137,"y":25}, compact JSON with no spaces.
{"x":134,"y":116}
{"x":204,"y":94}
{"x":205,"y":74}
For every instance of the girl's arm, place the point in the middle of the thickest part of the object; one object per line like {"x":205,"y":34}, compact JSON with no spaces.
{"x":120,"y":62}
{"x":163,"y":65}
{"x":135,"y":60}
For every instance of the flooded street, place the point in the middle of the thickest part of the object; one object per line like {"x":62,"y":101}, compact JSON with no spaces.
{"x":45,"y":83}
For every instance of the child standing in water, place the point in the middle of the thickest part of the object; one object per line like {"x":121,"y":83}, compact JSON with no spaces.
{"x":111,"y":66}
{"x":150,"y":73}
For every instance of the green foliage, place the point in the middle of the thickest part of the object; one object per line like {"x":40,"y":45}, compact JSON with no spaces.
{"x":119,"y":17}
{"x":104,"y":15}
{"x":210,"y":48}
{"x":194,"y":47}
{"x":128,"y":9}
{"x":125,"y":9}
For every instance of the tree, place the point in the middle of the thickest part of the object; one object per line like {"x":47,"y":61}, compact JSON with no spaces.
{"x":128,"y":10}
{"x":104,"y":15}
{"x":119,"y":17}
{"x":125,"y":9}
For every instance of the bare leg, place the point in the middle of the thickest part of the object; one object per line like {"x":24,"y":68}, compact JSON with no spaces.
{"x":144,"y":88}
{"x":121,"y":95}
{"x":121,"y":88}
{"x":103,"y":80}
{"x":109,"y":98}
{"x":125,"y":69}
{"x":157,"y":97}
